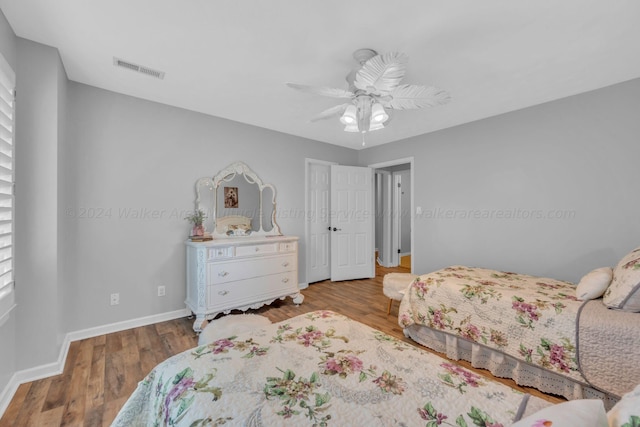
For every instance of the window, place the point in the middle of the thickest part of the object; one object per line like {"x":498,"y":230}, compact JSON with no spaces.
{"x":7,"y":109}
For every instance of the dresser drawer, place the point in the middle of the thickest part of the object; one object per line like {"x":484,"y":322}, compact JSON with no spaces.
{"x":259,"y":249}
{"x":235,"y":294}
{"x":288,"y":246}
{"x":244,"y":269}
{"x":217,"y":253}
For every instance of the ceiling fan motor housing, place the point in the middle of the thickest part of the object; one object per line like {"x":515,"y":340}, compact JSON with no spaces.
{"x":363,"y":104}
{"x":363,"y":55}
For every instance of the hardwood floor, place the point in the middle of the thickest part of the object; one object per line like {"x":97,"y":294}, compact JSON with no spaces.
{"x":405,"y":261}
{"x":101,"y":372}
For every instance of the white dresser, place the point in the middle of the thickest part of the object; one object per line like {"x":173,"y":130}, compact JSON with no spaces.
{"x":239,"y":274}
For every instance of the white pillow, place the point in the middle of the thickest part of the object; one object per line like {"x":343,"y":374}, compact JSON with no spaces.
{"x":627,"y":411}
{"x":593,"y":284}
{"x":624,"y":291}
{"x":574,"y":413}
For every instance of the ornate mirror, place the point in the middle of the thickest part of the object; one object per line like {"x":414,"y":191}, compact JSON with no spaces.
{"x":237,"y":203}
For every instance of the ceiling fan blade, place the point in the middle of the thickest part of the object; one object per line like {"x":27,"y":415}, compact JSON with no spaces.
{"x":406,"y":97}
{"x":330,"y":113}
{"x":382,"y":73}
{"x":322,"y":90}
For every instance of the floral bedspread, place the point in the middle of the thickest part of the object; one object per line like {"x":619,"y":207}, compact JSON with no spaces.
{"x":530,"y":318}
{"x":318,"y":369}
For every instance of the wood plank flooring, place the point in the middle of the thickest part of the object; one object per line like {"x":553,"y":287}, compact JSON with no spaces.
{"x":405,"y":261}
{"x":101,"y":372}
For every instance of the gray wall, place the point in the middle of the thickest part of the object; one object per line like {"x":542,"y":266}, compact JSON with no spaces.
{"x":554,"y":187}
{"x":39,"y":76}
{"x":130,"y":175}
{"x":8,"y":353}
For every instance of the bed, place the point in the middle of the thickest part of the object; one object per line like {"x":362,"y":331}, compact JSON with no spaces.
{"x":319,"y":369}
{"x":531,"y":329}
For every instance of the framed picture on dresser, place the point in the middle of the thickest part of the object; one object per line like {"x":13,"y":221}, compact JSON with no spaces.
{"x":231,"y":197}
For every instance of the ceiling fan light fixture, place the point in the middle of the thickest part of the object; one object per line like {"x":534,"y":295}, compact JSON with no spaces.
{"x":375,"y":126}
{"x":349,"y":117}
{"x":375,"y":92}
{"x":378,"y":115}
{"x":354,"y":127}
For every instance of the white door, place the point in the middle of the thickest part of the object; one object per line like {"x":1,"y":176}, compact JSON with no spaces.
{"x":383,"y":212}
{"x":318,"y":222}
{"x":352,"y":223}
{"x":396,"y":225}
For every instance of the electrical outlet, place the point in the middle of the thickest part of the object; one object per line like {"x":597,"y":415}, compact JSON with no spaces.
{"x":115,"y":299}
{"x":161,"y":291}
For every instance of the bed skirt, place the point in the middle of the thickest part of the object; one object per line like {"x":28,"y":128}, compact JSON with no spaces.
{"x":505,"y":366}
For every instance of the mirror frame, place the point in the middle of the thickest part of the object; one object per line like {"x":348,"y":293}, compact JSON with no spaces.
{"x":227,"y":174}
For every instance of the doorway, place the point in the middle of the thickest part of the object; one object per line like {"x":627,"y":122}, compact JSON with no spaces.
{"x":394,"y":208}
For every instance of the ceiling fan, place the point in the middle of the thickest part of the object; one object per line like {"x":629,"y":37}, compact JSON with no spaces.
{"x":374,"y":91}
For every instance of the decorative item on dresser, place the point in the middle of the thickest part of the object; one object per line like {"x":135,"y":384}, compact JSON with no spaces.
{"x":197,"y":219}
{"x":249,"y":263}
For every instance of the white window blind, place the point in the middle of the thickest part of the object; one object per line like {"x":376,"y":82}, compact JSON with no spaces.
{"x":7,"y":121}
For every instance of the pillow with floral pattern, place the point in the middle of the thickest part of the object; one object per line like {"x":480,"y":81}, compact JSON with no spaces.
{"x":574,"y":413}
{"x":624,"y":291}
{"x":626,"y":413}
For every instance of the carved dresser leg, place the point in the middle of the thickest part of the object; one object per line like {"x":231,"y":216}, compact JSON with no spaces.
{"x":297,"y":298}
{"x":199,"y":323}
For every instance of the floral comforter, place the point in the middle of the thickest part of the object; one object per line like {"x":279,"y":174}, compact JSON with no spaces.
{"x":318,"y":369}
{"x":530,"y":318}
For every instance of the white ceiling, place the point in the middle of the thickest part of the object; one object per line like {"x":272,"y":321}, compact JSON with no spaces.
{"x":231,"y":58}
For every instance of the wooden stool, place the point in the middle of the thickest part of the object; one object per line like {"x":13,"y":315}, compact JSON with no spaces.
{"x":394,"y":286}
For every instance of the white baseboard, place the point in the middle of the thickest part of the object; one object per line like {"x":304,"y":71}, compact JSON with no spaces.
{"x":7,"y":394}
{"x":127,"y":324}
{"x":303,"y":285}
{"x":56,"y":368}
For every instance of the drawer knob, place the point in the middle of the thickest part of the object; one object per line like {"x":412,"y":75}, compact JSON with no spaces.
{"x":223,"y":274}
{"x":223,"y":293}
{"x":257,"y":249}
{"x":285,"y":280}
{"x":285,"y":264}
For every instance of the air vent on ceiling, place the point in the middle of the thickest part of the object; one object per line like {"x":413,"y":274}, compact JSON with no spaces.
{"x":138,"y":68}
